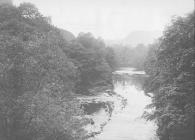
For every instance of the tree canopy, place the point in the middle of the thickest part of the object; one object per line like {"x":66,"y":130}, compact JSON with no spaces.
{"x":171,"y":66}
{"x":40,"y":72}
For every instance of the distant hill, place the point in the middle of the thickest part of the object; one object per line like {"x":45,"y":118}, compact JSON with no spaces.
{"x":67,"y":35}
{"x":137,"y":37}
{"x":141,"y":37}
{"x":5,"y":2}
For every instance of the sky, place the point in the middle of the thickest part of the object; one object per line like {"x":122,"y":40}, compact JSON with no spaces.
{"x":111,"y":19}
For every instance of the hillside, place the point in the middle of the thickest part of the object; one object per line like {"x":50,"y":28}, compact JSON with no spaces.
{"x":137,"y":37}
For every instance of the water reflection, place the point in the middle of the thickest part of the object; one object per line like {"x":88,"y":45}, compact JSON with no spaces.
{"x":136,"y":80}
{"x":91,"y":108}
{"x":118,"y":117}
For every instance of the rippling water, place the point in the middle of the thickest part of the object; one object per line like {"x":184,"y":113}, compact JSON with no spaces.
{"x":125,"y":122}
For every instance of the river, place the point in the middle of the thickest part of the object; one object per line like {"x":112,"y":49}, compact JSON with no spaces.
{"x":118,"y":116}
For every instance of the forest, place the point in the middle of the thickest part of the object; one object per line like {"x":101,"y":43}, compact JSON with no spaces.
{"x":170,"y":65}
{"x":127,"y":56}
{"x":42,"y":70}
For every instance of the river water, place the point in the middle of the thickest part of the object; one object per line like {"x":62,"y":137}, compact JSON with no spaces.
{"x":118,"y":116}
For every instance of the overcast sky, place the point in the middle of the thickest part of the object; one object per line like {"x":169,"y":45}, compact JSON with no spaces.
{"x":111,"y":19}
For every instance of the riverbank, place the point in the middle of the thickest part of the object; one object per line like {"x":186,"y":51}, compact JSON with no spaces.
{"x":116,"y":115}
{"x":99,"y":109}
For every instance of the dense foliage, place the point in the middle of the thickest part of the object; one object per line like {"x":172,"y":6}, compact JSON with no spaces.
{"x":40,"y":71}
{"x":90,"y":56}
{"x":171,"y":66}
{"x":127,"y":56}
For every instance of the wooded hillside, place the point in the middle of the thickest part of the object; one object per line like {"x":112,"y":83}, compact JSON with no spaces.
{"x":40,"y":72}
{"x":171,"y":69}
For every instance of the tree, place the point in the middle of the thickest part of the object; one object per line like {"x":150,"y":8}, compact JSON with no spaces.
{"x":171,"y":70}
{"x":111,"y":58}
{"x":89,"y":56}
{"x":40,"y":70}
{"x":36,"y":80}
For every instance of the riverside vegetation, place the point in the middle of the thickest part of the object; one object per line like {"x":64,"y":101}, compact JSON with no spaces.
{"x":171,"y":68}
{"x":42,"y":70}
